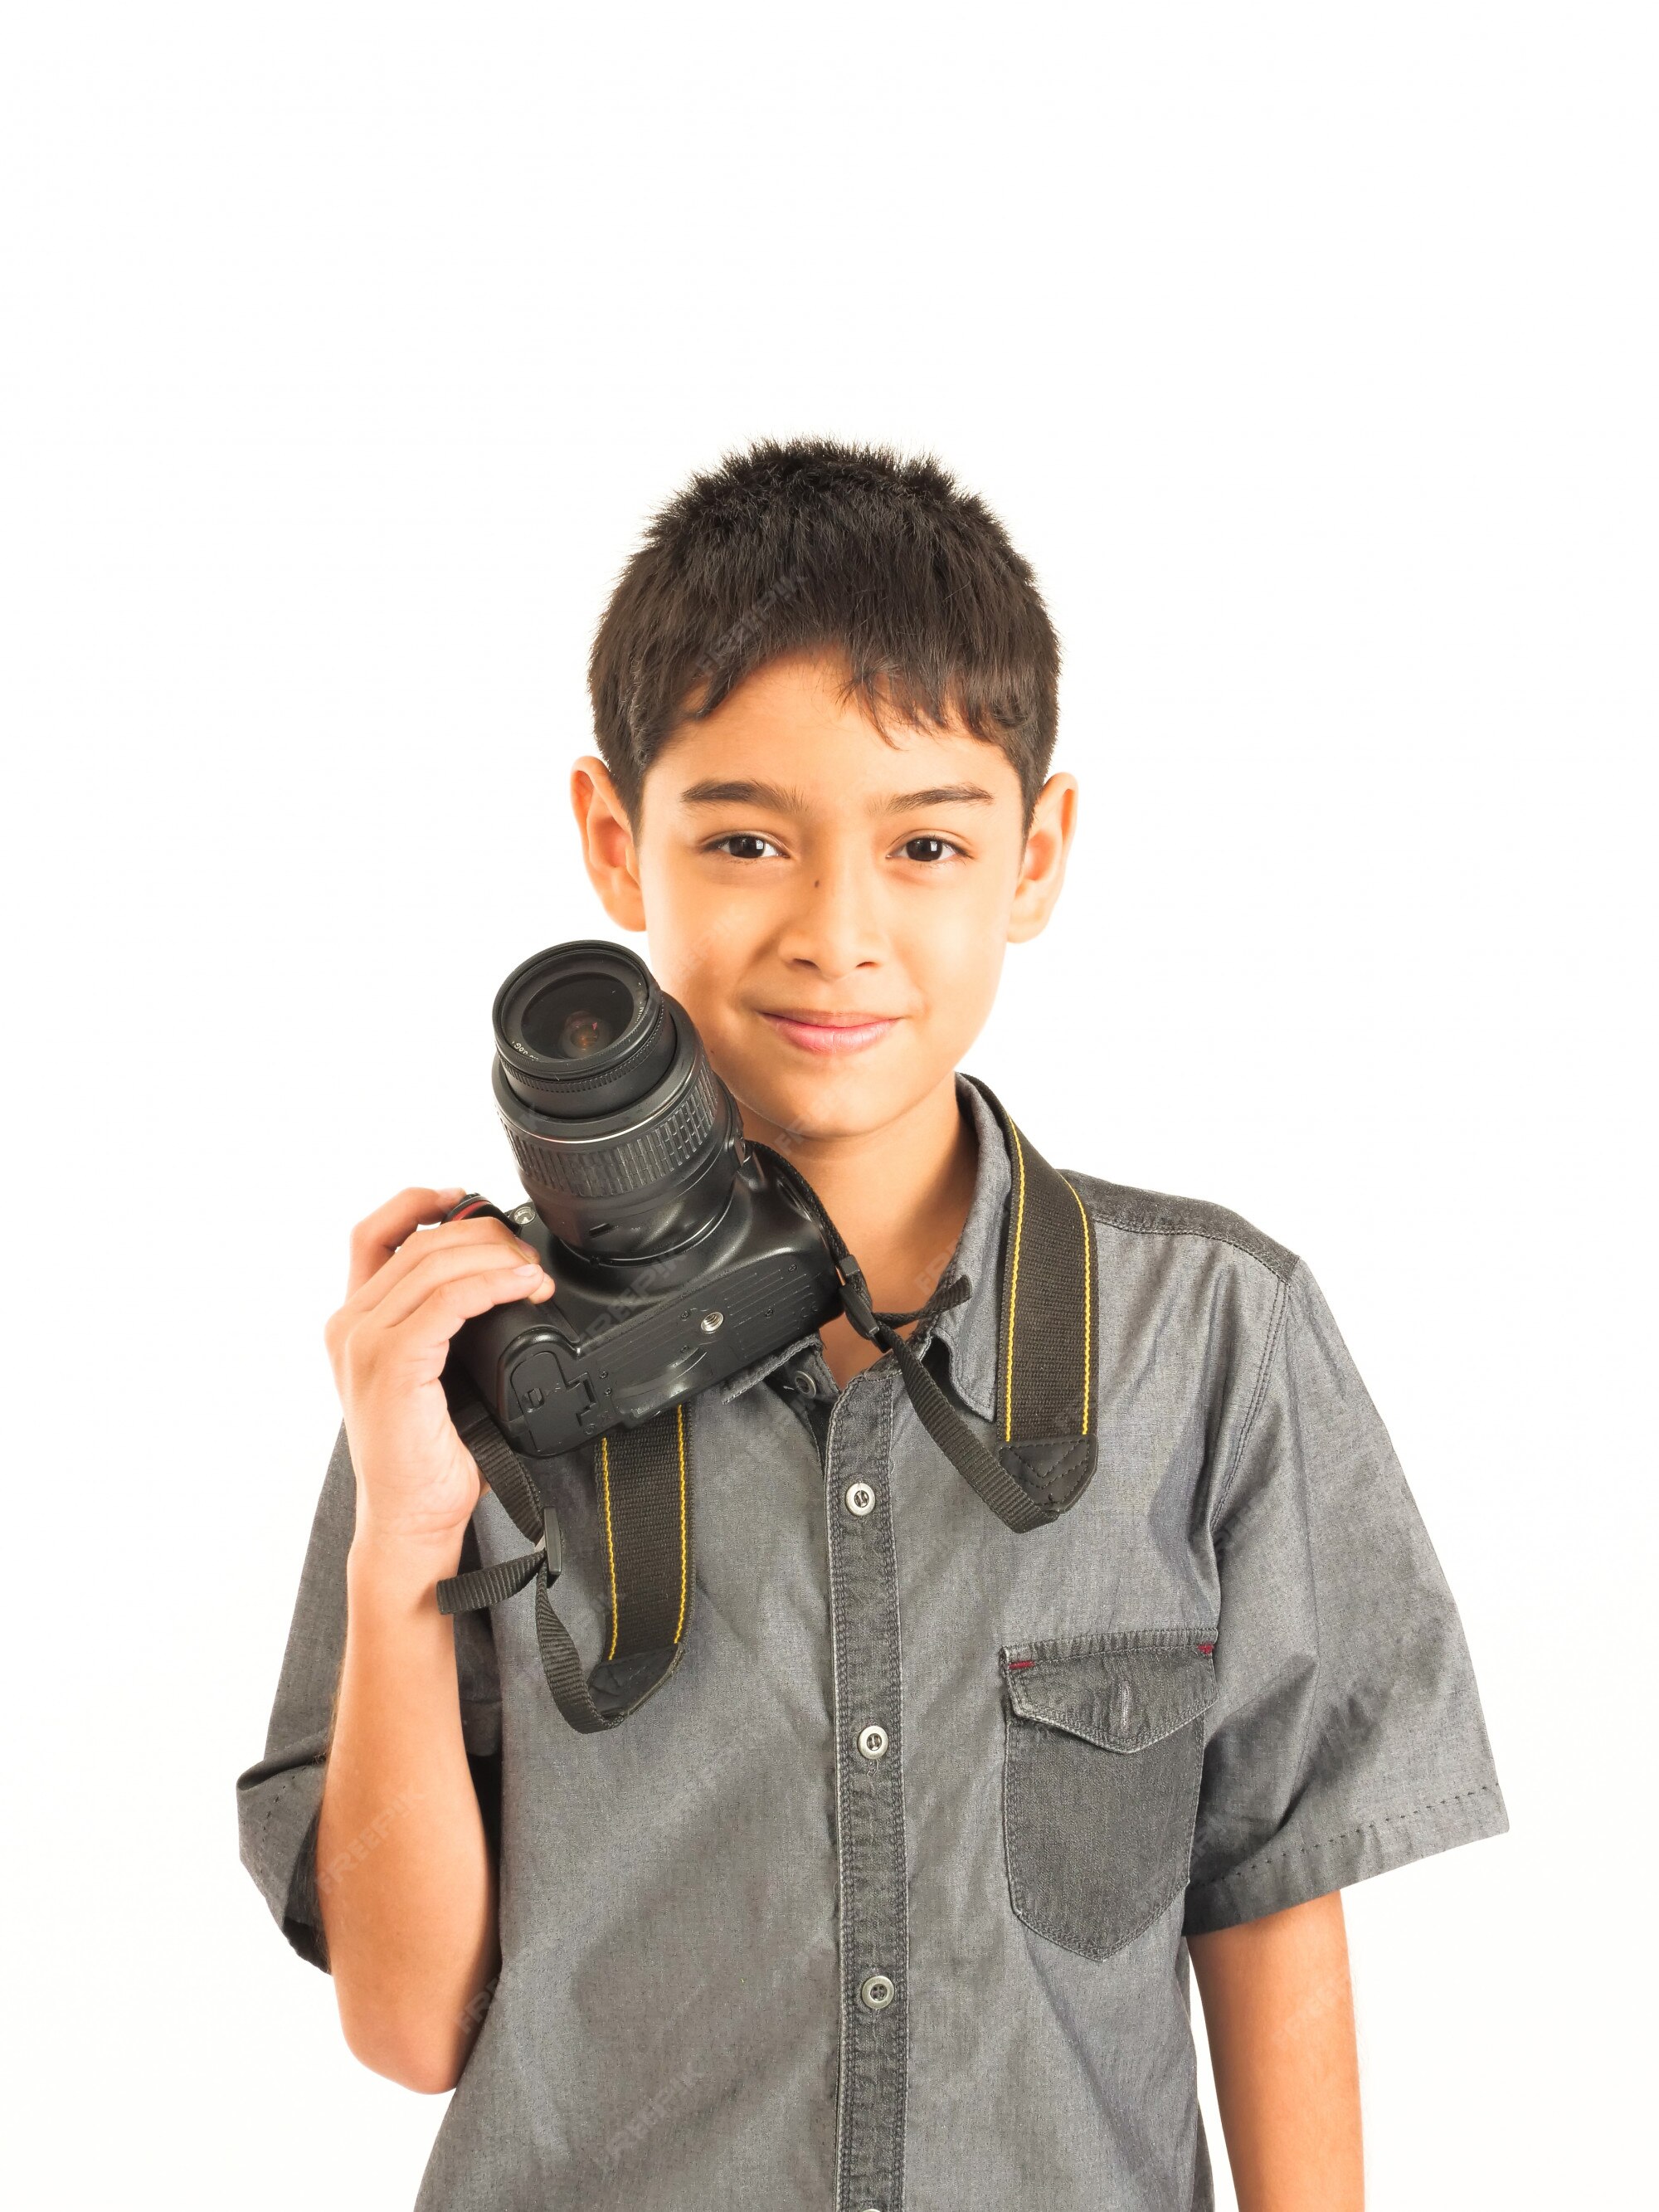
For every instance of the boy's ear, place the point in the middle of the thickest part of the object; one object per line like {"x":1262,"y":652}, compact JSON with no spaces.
{"x":607,"y":838}
{"x":1042,"y":864}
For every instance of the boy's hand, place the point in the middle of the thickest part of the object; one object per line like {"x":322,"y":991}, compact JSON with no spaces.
{"x":410,"y":1290}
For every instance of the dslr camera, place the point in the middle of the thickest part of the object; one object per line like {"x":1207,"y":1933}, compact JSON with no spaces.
{"x":679,"y":1252}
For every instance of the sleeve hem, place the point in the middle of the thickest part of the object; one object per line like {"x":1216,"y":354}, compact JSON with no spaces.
{"x":278,"y":1810}
{"x":1290,"y":1873}
{"x":302,"y":1920}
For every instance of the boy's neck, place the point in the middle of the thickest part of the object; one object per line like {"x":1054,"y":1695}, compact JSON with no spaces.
{"x":898,"y":1194}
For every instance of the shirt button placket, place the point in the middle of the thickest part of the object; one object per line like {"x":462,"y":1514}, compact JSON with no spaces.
{"x":869,"y":1798}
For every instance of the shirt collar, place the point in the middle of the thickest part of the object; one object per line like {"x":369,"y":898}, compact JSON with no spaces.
{"x":967,"y":1332}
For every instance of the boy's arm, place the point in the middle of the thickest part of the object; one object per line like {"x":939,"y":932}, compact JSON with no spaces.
{"x":405,"y":1886}
{"x":405,"y":1883}
{"x":1279,"y":2014}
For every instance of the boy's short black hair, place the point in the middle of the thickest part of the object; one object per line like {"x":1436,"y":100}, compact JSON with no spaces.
{"x":850,"y":550}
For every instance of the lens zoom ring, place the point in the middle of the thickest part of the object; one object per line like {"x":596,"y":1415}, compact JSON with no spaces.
{"x":632,"y":1163}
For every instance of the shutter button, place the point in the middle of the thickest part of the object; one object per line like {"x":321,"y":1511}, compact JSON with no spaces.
{"x":858,"y":1498}
{"x":876,"y":1992}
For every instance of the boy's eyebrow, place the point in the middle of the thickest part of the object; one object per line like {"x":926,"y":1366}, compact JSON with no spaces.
{"x":940,"y":794}
{"x":742,"y":791}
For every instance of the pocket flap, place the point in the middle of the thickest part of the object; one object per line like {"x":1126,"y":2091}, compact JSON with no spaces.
{"x":1123,"y":1691}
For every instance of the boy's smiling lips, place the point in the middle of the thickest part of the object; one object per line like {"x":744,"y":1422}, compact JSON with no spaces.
{"x":818,"y":1032}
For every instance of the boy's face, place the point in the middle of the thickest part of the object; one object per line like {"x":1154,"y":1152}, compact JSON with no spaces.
{"x":831,"y":909}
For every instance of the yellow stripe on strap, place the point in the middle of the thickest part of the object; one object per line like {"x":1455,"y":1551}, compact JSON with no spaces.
{"x":679,"y":1624}
{"x":1088,"y":1304}
{"x":1013,"y":1283}
{"x":609,"y":1542}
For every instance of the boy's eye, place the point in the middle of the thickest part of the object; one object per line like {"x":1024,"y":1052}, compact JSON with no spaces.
{"x":927,"y":849}
{"x":744,"y":845}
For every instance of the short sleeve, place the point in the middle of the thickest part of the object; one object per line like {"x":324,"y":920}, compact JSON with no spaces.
{"x":1347,"y":1736}
{"x":279,"y":1801}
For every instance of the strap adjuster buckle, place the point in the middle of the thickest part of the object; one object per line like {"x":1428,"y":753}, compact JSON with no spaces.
{"x":552,"y":1543}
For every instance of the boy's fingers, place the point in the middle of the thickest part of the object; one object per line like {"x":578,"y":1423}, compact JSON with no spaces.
{"x":421,"y":1341}
{"x":377,"y":1237}
{"x":503,"y":1267}
{"x":483,"y":1239}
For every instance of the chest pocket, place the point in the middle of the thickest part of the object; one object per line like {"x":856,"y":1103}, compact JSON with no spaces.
{"x":1103,"y":1754}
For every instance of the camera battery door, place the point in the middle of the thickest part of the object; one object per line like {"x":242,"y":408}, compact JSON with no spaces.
{"x":555,"y":1392}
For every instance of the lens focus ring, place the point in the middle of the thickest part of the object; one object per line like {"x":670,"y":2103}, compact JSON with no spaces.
{"x":623,"y":1166}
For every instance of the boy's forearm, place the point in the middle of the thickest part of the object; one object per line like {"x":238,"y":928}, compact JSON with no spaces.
{"x":404,"y":1872}
{"x":1278,"y":2010}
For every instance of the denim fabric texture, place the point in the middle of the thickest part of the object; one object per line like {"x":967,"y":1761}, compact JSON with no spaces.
{"x":1103,"y":1755}
{"x":753,"y":1952}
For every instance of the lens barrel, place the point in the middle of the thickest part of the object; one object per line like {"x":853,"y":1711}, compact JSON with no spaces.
{"x":627,"y":1142}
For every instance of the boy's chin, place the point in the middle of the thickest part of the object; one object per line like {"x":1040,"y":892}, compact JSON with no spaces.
{"x":820,"y":1105}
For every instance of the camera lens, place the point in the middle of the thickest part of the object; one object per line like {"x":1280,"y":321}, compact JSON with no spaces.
{"x":626,"y":1140}
{"x":576,"y":1017}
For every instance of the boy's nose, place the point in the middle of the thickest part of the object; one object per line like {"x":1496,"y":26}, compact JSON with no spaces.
{"x":836,"y":927}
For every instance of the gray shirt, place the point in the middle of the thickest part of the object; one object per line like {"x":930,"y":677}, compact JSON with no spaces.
{"x":881,"y":1900}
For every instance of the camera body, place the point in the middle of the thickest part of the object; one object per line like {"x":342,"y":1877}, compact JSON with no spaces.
{"x":678,"y":1254}
{"x":616,"y":1345}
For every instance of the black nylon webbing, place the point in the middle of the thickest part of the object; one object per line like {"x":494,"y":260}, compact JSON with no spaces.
{"x":1046,"y":1327}
{"x":1030,"y":1482}
{"x":643,"y":1495}
{"x":644,"y":1500}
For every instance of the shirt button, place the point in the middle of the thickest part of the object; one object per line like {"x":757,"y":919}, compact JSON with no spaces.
{"x":877,"y":1993}
{"x":858,"y":1498}
{"x":804,"y":1382}
{"x":872,"y":1741}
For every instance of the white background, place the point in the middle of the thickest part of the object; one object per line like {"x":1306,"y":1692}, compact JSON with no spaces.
{"x":1309,"y":355}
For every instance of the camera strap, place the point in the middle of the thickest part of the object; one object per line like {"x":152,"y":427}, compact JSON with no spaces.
{"x":644,"y":1481}
{"x":1042,"y":1453}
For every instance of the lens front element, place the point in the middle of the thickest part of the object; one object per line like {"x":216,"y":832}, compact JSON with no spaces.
{"x":576,"y":1017}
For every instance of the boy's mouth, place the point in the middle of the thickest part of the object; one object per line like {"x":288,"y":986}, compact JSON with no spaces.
{"x":828,"y":1033}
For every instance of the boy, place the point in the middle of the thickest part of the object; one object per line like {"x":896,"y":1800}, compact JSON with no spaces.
{"x":851,"y":1914}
